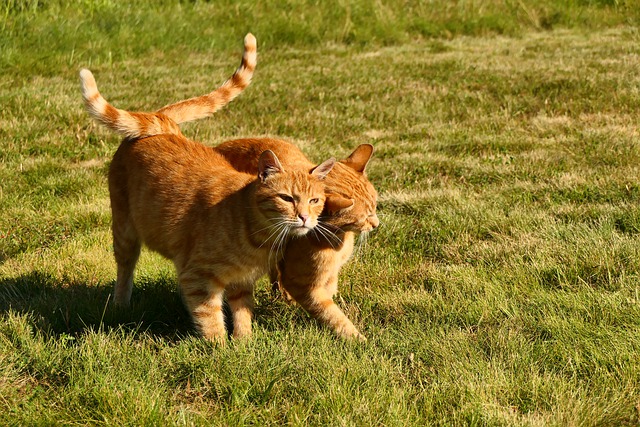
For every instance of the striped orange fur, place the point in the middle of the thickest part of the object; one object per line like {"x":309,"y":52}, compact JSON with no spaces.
{"x":203,"y":106}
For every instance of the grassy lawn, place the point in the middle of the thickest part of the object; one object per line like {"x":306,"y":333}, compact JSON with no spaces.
{"x":503,"y":287}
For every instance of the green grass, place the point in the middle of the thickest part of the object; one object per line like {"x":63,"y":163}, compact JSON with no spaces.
{"x":503,"y":287}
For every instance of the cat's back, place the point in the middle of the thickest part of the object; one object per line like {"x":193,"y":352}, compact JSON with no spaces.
{"x":167,"y":149}
{"x":174,"y":162}
{"x":243,"y":153}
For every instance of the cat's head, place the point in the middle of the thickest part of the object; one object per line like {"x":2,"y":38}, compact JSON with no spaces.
{"x":290,"y":201}
{"x":350,"y":197}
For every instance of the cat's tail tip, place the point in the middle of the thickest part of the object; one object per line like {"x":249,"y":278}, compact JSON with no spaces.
{"x":88,"y":82}
{"x":93,"y":101}
{"x":85,"y":73}
{"x":250,"y":42}
{"x":95,"y":104}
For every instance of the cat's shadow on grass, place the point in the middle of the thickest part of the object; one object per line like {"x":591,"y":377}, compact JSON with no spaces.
{"x":61,"y":307}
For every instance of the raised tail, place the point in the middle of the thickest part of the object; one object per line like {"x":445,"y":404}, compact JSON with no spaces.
{"x":129,"y":124}
{"x":166,"y":120}
{"x":205,"y":105}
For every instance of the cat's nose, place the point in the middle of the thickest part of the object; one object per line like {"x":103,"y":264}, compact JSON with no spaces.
{"x":374,"y":221}
{"x":303,"y":218}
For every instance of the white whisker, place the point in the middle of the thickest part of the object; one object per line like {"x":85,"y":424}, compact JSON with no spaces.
{"x":277,"y":222}
{"x":360,"y":246}
{"x":279,"y":242}
{"x":324,"y":231}
{"x":275,"y":230}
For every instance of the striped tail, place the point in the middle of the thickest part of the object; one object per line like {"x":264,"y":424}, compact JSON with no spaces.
{"x":205,"y":105}
{"x":130,"y":124}
{"x":166,"y":120}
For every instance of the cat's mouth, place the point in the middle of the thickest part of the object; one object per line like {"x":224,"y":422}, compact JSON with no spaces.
{"x":300,"y":230}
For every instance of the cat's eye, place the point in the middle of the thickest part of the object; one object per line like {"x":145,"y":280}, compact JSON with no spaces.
{"x":314,"y":201}
{"x":286,"y":197}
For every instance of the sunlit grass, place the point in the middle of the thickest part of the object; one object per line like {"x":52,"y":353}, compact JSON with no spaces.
{"x":501,"y":289}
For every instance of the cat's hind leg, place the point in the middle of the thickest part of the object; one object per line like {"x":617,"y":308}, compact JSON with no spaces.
{"x":240,"y":300}
{"x":126,"y":249}
{"x":318,"y":301}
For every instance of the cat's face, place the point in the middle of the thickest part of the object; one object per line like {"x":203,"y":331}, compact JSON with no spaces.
{"x":351,"y":198}
{"x":353,"y":210}
{"x":292,"y":201}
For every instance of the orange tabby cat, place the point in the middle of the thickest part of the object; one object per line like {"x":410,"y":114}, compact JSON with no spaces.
{"x":309,"y":269}
{"x":218,"y":225}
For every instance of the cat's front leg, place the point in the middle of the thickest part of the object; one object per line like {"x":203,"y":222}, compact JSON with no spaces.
{"x":203,"y":296}
{"x":329,"y":313}
{"x":319,"y":303}
{"x":240,"y":299}
{"x":277,"y":290}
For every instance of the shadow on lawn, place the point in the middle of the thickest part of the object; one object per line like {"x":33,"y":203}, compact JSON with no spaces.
{"x":60,"y":307}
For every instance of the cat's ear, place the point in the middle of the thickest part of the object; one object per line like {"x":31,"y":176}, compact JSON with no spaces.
{"x":268,"y":164}
{"x":334,"y":203}
{"x":323,"y":168}
{"x":360,"y":157}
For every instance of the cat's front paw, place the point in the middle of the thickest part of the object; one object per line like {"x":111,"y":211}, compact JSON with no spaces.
{"x":218,"y":341}
{"x":351,"y":333}
{"x":279,"y":292}
{"x":360,"y":337}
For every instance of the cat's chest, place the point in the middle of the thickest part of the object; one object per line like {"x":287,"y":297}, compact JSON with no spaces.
{"x":345,"y":252}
